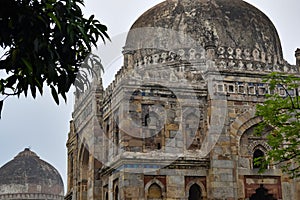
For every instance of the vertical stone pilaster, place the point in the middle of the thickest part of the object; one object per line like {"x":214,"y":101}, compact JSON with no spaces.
{"x":110,"y":187}
{"x":132,"y":185}
{"x":175,"y":187}
{"x":222,"y":175}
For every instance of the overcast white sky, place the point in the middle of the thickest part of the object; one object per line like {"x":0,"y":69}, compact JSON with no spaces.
{"x":43,"y":126}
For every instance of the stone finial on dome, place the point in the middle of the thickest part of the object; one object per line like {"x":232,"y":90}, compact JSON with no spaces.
{"x":27,"y":152}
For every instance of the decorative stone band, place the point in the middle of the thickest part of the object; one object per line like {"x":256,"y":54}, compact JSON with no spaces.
{"x":30,"y":196}
{"x":190,"y":60}
{"x":256,"y":143}
{"x":250,"y":66}
{"x":193,"y":54}
{"x":250,"y":88}
{"x":247,"y":54}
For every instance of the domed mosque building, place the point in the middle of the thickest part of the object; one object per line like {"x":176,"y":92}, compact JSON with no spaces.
{"x":178,"y":120}
{"x":29,"y":177}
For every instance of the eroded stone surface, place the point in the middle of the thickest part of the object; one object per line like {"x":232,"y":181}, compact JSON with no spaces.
{"x":28,"y":175}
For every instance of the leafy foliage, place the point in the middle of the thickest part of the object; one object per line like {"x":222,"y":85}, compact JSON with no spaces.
{"x":45,"y":42}
{"x":281,"y":111}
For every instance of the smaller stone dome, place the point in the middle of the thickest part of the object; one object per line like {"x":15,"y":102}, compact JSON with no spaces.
{"x":29,"y":177}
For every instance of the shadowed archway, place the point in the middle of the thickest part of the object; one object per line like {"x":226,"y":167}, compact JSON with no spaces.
{"x":262,"y":194}
{"x":195,"y":192}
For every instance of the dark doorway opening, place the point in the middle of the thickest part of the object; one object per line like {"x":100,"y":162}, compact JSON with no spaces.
{"x":257,"y":154}
{"x":116,"y":193}
{"x":262,"y":194}
{"x":195,"y":192}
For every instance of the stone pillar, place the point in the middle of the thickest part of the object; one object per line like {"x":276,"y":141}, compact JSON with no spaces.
{"x":175,"y":187}
{"x":222,"y":174}
{"x":110,"y":187}
{"x":133,"y":186}
{"x":222,"y":184}
{"x":210,"y":49}
{"x":287,"y":192}
{"x":128,"y":57}
{"x":290,"y":188}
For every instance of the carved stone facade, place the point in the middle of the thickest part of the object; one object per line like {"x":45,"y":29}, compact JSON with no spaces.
{"x":177,"y":122}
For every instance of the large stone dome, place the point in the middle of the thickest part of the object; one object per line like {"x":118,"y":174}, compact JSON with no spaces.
{"x":235,"y":28}
{"x":29,"y":176}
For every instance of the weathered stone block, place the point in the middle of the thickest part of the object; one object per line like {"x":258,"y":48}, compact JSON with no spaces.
{"x":222,"y":164}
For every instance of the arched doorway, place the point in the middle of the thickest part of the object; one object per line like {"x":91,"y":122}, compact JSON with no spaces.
{"x":195,"y":192}
{"x":154,"y":191}
{"x":262,"y":194}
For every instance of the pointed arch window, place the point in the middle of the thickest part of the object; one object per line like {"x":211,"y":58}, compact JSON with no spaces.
{"x":84,"y":173}
{"x":257,"y":154}
{"x":154,"y":192}
{"x":195,"y":192}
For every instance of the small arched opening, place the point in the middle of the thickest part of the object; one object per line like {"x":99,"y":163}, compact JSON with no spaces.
{"x":116,"y":193}
{"x":258,"y":154}
{"x":154,"y":192}
{"x":195,"y":192}
{"x":106,"y":195}
{"x":84,"y":162}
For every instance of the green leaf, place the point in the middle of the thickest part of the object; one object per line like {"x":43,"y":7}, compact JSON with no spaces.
{"x":54,"y":94}
{"x":10,"y":81}
{"x":64,"y":96}
{"x":54,"y":18}
{"x":1,"y":106}
{"x":33,"y":91}
{"x":28,"y":65}
{"x":85,"y":37}
{"x":39,"y":85}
